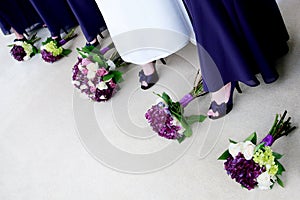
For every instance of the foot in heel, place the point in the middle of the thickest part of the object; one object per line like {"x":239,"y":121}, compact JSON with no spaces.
{"x":222,"y":102}
{"x":147,"y":81}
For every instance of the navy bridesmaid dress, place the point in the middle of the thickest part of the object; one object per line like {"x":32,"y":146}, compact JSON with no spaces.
{"x":18,"y":14}
{"x":89,"y":17}
{"x":56,"y":14}
{"x":238,"y":39}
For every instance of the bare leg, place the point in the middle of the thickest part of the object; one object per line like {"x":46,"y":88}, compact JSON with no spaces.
{"x":220,"y":96}
{"x":18,"y":35}
{"x":148,"y":70}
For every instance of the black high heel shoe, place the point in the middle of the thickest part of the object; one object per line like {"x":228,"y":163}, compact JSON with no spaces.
{"x":95,"y":44}
{"x":224,"y":108}
{"x":150,"y":79}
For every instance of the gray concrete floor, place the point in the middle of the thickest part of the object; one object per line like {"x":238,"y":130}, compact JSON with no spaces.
{"x":44,"y":153}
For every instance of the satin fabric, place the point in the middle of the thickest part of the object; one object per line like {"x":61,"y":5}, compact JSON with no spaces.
{"x":238,"y":39}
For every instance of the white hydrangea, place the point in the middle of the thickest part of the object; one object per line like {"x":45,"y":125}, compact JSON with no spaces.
{"x":264,"y":181}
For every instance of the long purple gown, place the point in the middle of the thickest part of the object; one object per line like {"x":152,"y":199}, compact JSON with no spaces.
{"x":89,"y":17}
{"x":56,"y":14}
{"x":18,"y":14}
{"x":238,"y":39}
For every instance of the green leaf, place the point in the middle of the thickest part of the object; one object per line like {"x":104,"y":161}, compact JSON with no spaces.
{"x":117,"y":76}
{"x":279,"y":181}
{"x":108,"y":77}
{"x":195,"y":118}
{"x":233,"y":142}
{"x":260,"y":146}
{"x":224,"y":156}
{"x":252,"y":138}
{"x":10,"y":45}
{"x":166,"y":98}
{"x":188,"y":131}
{"x":181,"y":139}
{"x":66,"y":52}
{"x":49,"y":40}
{"x":35,"y":50}
{"x":277,"y":155}
{"x":280,"y":167}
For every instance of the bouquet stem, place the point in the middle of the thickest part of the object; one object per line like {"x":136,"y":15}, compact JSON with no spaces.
{"x":68,"y":37}
{"x":280,"y":128}
{"x":186,"y":99}
{"x":197,"y":91}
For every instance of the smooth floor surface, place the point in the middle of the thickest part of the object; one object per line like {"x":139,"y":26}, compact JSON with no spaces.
{"x":55,"y":145}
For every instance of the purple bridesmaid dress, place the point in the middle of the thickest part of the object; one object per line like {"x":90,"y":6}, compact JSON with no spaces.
{"x":238,"y":39}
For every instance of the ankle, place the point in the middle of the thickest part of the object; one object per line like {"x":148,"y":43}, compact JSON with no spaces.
{"x":148,"y":68}
{"x":222,"y":95}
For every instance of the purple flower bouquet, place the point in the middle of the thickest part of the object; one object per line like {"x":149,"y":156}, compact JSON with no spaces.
{"x":94,"y":75}
{"x":254,"y":165}
{"x":52,"y":49}
{"x":166,"y":117}
{"x":23,"y":49}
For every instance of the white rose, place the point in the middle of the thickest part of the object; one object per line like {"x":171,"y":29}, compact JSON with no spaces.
{"x":18,"y":43}
{"x":235,"y":149}
{"x":248,"y":150}
{"x":83,"y":87}
{"x":90,"y":83}
{"x":264,"y":181}
{"x":111,"y":64}
{"x":77,"y":83}
{"x":80,"y":67}
{"x":92,"y":67}
{"x":91,"y":74}
{"x":102,"y":86}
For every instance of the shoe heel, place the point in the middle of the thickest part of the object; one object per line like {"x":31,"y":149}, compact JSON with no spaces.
{"x":100,"y":34}
{"x":237,"y":87}
{"x":163,"y":61}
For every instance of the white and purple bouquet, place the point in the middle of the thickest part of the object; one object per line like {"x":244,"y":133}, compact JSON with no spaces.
{"x":167,"y":117}
{"x":94,"y":75}
{"x":52,"y":49}
{"x":256,"y":165}
{"x":23,"y":49}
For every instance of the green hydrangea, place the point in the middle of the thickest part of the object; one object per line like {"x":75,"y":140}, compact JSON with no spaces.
{"x":52,"y":48}
{"x":27,"y":48}
{"x":265,"y":158}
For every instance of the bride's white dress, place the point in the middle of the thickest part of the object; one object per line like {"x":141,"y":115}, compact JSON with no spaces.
{"x":146,"y":30}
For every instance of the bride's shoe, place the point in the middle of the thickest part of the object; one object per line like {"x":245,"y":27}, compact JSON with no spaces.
{"x":225,"y":107}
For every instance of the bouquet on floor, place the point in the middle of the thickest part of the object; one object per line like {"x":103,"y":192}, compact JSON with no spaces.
{"x":167,"y":117}
{"x":52,"y":49}
{"x":94,"y":75}
{"x":23,"y":49}
{"x":254,"y":165}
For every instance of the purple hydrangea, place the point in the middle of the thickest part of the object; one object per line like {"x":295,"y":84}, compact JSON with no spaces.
{"x":104,"y":95}
{"x":48,"y":57}
{"x":76,"y":69}
{"x":161,"y":122}
{"x":18,"y":52}
{"x":89,"y":87}
{"x":243,"y":171}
